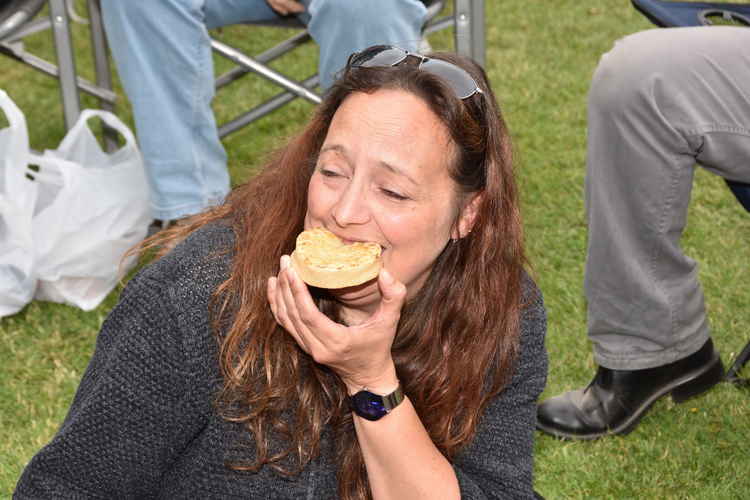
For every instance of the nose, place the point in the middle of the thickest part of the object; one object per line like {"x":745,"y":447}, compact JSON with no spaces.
{"x":351,"y":208}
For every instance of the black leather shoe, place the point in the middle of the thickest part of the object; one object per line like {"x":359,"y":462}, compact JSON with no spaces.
{"x":158,"y":225}
{"x":615,"y":401}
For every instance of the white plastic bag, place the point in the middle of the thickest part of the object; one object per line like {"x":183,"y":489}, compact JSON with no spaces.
{"x":92,"y":206}
{"x":17,"y":198}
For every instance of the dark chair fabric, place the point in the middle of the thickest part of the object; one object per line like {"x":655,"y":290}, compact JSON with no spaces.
{"x":15,"y":13}
{"x":677,"y":14}
{"x":741,"y":191}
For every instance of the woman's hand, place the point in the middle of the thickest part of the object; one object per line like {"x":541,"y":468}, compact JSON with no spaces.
{"x":286,"y":7}
{"x":361,"y":354}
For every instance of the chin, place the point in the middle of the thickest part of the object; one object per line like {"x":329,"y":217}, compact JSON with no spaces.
{"x":357,"y":296}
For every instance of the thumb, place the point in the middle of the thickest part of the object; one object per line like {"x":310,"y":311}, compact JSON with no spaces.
{"x":393,"y":294}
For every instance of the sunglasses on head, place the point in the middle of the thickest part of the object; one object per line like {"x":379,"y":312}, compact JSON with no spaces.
{"x":457,"y":78}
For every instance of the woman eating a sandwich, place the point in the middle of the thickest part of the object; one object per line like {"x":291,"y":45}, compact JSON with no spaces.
{"x":222,"y":374}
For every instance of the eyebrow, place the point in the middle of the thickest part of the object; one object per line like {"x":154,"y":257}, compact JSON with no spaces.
{"x":338,"y":148}
{"x":396,"y":170}
{"x":333,"y":147}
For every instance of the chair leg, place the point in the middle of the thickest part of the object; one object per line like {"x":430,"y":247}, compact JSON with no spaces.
{"x":266,"y":57}
{"x":65,"y":61}
{"x":252,"y":65}
{"x":102,"y":68}
{"x":263,"y":109}
{"x":733,"y":374}
{"x":469,"y":29}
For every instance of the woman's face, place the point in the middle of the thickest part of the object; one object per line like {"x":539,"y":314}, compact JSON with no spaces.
{"x":382,"y":176}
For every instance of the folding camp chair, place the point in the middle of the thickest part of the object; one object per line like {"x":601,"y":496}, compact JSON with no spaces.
{"x":467,"y":20}
{"x":17,"y":22}
{"x":682,"y":14}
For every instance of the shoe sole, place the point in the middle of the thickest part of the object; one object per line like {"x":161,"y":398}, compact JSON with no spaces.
{"x":682,"y":389}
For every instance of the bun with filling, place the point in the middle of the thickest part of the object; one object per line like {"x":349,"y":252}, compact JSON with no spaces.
{"x":321,"y":259}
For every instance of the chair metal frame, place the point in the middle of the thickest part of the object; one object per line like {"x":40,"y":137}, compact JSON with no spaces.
{"x":469,"y":35}
{"x":468,"y":20}
{"x":682,"y":14}
{"x":65,"y":69}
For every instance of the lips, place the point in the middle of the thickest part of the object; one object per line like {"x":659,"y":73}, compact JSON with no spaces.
{"x":349,"y":241}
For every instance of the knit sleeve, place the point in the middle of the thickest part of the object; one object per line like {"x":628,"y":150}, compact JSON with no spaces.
{"x":498,"y":464}
{"x":138,"y":405}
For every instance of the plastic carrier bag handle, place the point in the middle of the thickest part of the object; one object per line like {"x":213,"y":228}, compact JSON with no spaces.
{"x":110,"y":119}
{"x":54,"y":171}
{"x":19,"y":141}
{"x":15,"y":117}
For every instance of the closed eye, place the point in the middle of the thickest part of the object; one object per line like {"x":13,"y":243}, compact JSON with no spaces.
{"x":329,"y":173}
{"x":394,"y":195}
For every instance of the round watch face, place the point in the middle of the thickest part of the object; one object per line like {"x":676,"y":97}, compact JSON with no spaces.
{"x":368,"y":405}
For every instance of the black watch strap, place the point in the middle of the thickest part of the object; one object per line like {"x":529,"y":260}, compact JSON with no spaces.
{"x":371,"y":406}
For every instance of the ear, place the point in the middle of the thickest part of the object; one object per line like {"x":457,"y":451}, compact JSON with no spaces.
{"x":467,"y":216}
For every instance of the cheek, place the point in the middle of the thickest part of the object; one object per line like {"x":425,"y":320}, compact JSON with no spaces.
{"x":399,"y":227}
{"x":318,"y":201}
{"x":415,"y":236}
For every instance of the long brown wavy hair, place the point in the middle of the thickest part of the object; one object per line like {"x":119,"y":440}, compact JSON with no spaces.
{"x":457,"y":339}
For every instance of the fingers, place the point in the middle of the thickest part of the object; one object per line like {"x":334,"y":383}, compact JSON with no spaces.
{"x":393,"y":294}
{"x":277,"y":303}
{"x":317,"y":333}
{"x":271,"y":294}
{"x":294,"y":309}
{"x":280,"y":309}
{"x":312,"y":325}
{"x":287,"y":298}
{"x":360,"y":352}
{"x":286,"y":7}
{"x":306,"y":310}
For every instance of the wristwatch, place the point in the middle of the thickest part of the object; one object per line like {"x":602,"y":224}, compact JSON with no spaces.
{"x":373,"y":406}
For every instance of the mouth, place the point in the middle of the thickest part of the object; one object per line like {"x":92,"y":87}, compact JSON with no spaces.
{"x":351,"y":241}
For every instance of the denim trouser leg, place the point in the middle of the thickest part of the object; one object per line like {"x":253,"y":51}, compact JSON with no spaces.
{"x":341,"y":27}
{"x":163,"y":55}
{"x":660,"y":102}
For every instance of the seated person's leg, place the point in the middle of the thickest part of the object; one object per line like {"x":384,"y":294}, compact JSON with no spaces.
{"x":220,"y":13}
{"x":163,"y":55}
{"x":660,"y":101}
{"x":164,"y":61}
{"x":162,"y":50}
{"x":341,"y":27}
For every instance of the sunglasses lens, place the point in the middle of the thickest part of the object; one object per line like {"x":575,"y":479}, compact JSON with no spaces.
{"x":459,"y":80}
{"x":379,"y":56}
{"x":386,"y":56}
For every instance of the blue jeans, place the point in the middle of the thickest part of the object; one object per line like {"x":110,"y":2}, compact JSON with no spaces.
{"x":163,"y":56}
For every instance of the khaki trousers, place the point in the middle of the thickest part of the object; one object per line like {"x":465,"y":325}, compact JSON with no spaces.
{"x":661,"y":102}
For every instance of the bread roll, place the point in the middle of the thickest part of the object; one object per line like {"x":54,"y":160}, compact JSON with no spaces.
{"x":321,"y":259}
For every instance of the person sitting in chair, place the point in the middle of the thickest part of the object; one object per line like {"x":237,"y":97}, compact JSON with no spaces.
{"x":660,"y":102}
{"x":162,"y":50}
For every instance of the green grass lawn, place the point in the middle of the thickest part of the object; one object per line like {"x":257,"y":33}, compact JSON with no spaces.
{"x":540,"y":57}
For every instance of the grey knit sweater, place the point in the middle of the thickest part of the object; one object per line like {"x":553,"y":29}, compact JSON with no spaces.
{"x":142,"y":423}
